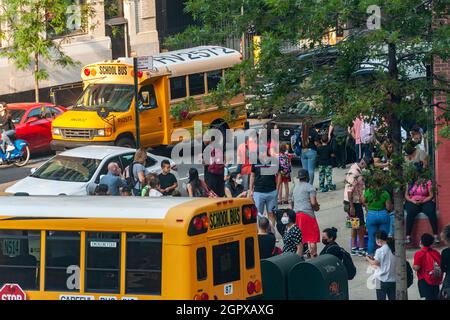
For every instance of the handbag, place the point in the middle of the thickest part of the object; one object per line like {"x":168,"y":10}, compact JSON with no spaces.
{"x":353,"y":223}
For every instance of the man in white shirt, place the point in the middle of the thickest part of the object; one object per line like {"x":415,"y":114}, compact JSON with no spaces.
{"x":384,"y":263}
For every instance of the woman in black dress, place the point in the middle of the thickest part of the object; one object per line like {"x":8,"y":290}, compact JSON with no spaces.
{"x":292,"y":237}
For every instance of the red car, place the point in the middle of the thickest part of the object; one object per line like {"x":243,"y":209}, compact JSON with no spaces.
{"x":33,"y":123}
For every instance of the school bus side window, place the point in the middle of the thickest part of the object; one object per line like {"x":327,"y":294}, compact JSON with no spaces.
{"x":20,"y":254}
{"x":143,"y":263}
{"x":213,"y":79}
{"x":102,"y":262}
{"x":202,"y":272}
{"x":196,"y":84}
{"x":148,"y":97}
{"x":178,"y":87}
{"x":249,"y":253}
{"x":62,"y":261}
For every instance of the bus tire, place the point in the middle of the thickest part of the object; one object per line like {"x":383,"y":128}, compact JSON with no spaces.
{"x":126,"y":142}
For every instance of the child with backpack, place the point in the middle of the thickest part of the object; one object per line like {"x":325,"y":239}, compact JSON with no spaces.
{"x":284,"y":174}
{"x":427,"y":264}
{"x":325,"y":156}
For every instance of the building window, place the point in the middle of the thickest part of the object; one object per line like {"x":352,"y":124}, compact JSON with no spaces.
{"x":143,"y":263}
{"x":102,"y":262}
{"x":113,"y":9}
{"x":20,"y":256}
{"x":196,"y":84}
{"x":178,"y":87}
{"x":62,"y":261}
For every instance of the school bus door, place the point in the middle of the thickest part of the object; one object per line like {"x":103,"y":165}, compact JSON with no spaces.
{"x":151,"y":116}
{"x":225,"y":264}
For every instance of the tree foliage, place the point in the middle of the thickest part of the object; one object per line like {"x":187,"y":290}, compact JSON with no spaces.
{"x":35,"y":30}
{"x":383,"y":72}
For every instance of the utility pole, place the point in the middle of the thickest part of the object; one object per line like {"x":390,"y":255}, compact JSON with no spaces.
{"x":136,"y":102}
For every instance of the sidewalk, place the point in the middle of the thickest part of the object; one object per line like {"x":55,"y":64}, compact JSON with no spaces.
{"x":331,"y":214}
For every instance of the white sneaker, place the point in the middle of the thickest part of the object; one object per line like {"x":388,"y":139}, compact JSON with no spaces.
{"x":10,"y":148}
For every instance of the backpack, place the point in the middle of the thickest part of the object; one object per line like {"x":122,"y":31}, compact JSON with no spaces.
{"x":433,"y":276}
{"x":348,"y":263}
{"x":130,"y":179}
{"x":367,"y":132}
{"x":285,"y":167}
{"x":296,"y":143}
{"x":276,"y":251}
{"x":409,"y":275}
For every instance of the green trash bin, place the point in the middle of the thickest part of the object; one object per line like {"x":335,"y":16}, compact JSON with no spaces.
{"x":322,"y":278}
{"x":274,"y":272}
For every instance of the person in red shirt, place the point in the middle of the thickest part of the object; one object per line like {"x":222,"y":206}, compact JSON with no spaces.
{"x":243,"y":156}
{"x":427,"y":262}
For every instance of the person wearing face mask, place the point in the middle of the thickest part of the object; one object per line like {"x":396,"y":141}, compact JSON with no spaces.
{"x":234,"y":188}
{"x":292,"y":236}
{"x":329,"y":236}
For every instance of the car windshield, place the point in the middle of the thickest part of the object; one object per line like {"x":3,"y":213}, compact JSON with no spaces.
{"x":113,"y":97}
{"x":63,"y":168}
{"x":16,"y":115}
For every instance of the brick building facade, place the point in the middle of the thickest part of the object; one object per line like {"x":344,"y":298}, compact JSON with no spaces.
{"x":442,"y":160}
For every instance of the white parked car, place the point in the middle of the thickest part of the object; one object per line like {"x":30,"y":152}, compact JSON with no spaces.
{"x":76,"y":171}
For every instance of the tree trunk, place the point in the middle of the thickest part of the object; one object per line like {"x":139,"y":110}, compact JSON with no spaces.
{"x":36,"y":78}
{"x":399,"y":198}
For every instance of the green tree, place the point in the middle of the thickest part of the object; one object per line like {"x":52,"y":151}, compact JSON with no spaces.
{"x":382,"y":69}
{"x":35,"y":31}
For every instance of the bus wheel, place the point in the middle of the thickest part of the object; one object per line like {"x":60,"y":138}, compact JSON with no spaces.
{"x":126,"y":142}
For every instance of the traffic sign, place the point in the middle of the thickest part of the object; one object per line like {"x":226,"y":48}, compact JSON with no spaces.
{"x":145,"y":63}
{"x":12,"y":292}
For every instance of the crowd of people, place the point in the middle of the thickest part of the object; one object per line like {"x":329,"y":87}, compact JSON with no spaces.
{"x":367,"y":202}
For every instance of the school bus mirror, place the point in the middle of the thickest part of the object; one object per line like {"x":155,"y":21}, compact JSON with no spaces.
{"x":145,"y":98}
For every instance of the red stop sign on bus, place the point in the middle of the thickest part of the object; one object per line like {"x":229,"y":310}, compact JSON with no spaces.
{"x":12,"y":292}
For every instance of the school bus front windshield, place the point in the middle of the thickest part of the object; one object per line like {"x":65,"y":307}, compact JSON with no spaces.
{"x":112,"y":97}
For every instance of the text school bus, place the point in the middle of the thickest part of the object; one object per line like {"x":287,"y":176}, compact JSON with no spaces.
{"x":105,"y":111}
{"x":114,"y":248}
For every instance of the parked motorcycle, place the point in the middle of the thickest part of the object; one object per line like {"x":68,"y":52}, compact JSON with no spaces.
{"x":19,"y":156}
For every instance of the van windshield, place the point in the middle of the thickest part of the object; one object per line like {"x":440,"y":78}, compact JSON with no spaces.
{"x":113,"y":97}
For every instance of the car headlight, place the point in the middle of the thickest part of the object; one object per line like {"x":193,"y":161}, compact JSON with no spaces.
{"x":57,"y":131}
{"x":106,"y":132}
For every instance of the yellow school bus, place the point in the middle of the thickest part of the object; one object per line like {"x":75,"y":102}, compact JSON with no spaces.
{"x":116,"y":248}
{"x":105,"y":111}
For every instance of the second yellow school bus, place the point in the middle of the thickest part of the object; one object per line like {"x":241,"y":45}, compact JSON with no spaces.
{"x":105,"y":111}
{"x":115,"y":248}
